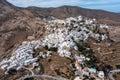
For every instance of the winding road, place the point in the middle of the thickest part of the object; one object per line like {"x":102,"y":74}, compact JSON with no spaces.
{"x":110,"y":74}
{"x":41,"y":76}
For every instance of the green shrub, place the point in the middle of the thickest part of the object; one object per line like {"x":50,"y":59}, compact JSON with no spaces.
{"x":53,"y":49}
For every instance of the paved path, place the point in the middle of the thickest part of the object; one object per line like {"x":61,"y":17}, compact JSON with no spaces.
{"x":29,"y":69}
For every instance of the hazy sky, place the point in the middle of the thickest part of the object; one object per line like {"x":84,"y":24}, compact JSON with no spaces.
{"x":109,"y":5}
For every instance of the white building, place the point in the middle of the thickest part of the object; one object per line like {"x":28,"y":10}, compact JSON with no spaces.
{"x":29,"y":61}
{"x":101,"y":74}
{"x":78,"y":78}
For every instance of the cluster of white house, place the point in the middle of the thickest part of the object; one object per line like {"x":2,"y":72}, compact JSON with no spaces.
{"x":64,"y":38}
{"x":45,"y":55}
{"x":21,"y":57}
{"x":90,"y":72}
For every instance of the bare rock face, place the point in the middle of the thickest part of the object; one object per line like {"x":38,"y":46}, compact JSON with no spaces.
{"x":115,"y":33}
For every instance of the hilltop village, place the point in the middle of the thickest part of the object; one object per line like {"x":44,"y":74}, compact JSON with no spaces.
{"x":63,"y":37}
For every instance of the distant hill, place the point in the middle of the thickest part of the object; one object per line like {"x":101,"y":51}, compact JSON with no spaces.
{"x":64,"y":12}
{"x":118,"y":12}
{"x":68,"y":11}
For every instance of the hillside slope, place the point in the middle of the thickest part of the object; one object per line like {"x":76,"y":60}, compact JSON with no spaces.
{"x":15,"y":25}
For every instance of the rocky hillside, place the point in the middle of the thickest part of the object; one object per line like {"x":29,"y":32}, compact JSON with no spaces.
{"x":15,"y":25}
